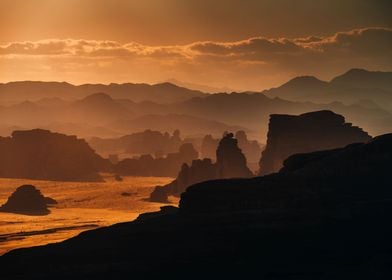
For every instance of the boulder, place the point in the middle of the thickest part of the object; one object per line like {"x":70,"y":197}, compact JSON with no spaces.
{"x":28,"y":200}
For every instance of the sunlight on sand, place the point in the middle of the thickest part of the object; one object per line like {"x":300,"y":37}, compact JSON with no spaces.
{"x":81,"y":206}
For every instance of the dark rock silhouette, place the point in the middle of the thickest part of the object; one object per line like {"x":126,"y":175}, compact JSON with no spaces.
{"x":309,"y":186}
{"x":231,"y":163}
{"x":324,"y":216}
{"x":27,"y":200}
{"x":199,"y":171}
{"x":159,"y":194}
{"x":251,"y":149}
{"x":146,"y":165}
{"x":321,"y":130}
{"x":40,"y":154}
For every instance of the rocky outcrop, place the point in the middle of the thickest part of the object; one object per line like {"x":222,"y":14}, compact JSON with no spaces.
{"x":199,"y":171}
{"x":250,"y":148}
{"x":146,"y":165}
{"x":314,"y":131}
{"x":41,"y":154}
{"x":323,"y":184}
{"x":231,"y":163}
{"x":28,"y":200}
{"x":325,"y":217}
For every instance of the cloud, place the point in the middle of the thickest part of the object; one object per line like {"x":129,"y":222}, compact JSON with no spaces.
{"x":253,"y":63}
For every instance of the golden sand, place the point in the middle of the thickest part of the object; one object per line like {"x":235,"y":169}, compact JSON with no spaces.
{"x":81,"y":206}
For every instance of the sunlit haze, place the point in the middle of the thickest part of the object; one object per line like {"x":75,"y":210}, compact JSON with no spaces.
{"x":240,"y":45}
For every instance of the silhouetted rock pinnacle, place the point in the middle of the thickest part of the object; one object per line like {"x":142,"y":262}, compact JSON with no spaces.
{"x":231,"y":163}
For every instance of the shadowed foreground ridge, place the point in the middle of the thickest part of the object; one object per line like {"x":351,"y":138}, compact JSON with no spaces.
{"x":324,"y":216}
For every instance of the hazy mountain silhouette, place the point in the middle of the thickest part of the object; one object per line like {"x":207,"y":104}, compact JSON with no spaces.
{"x":200,"y":87}
{"x":354,"y":85}
{"x":325,"y":216}
{"x":116,"y":112}
{"x":187,"y":124}
{"x":147,"y":142}
{"x":361,"y":78}
{"x":34,"y":90}
{"x":252,"y":110}
{"x":97,"y":108}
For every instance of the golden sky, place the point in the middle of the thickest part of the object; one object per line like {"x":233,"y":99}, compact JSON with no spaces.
{"x":246,"y":45}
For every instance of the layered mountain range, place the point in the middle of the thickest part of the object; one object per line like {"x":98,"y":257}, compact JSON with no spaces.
{"x":114,"y":110}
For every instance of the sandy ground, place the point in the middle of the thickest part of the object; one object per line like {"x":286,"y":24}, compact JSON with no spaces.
{"x":81,"y":206}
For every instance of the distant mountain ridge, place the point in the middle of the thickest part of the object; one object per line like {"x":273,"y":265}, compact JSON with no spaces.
{"x":14,"y":92}
{"x":362,"y":78}
{"x":351,"y":86}
{"x":119,"y":109}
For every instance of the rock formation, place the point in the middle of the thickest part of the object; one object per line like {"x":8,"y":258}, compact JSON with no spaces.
{"x":250,"y":148}
{"x":199,"y":171}
{"x":314,"y":131}
{"x":324,"y":216}
{"x":309,"y":186}
{"x":27,"y":200}
{"x":41,"y":154}
{"x":146,"y":165}
{"x":231,"y":163}
{"x":139,"y":143}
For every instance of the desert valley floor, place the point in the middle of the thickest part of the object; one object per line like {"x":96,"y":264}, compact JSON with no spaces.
{"x":81,"y":206}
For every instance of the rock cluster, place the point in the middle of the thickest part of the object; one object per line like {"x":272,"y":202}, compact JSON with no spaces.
{"x":324,"y":216}
{"x":314,"y":131}
{"x":41,"y":154}
{"x":231,"y":163}
{"x":27,"y":200}
{"x":334,"y":183}
{"x":146,"y":165}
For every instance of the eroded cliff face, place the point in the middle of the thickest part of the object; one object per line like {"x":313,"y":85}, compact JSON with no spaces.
{"x":314,"y":131}
{"x":41,"y":154}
